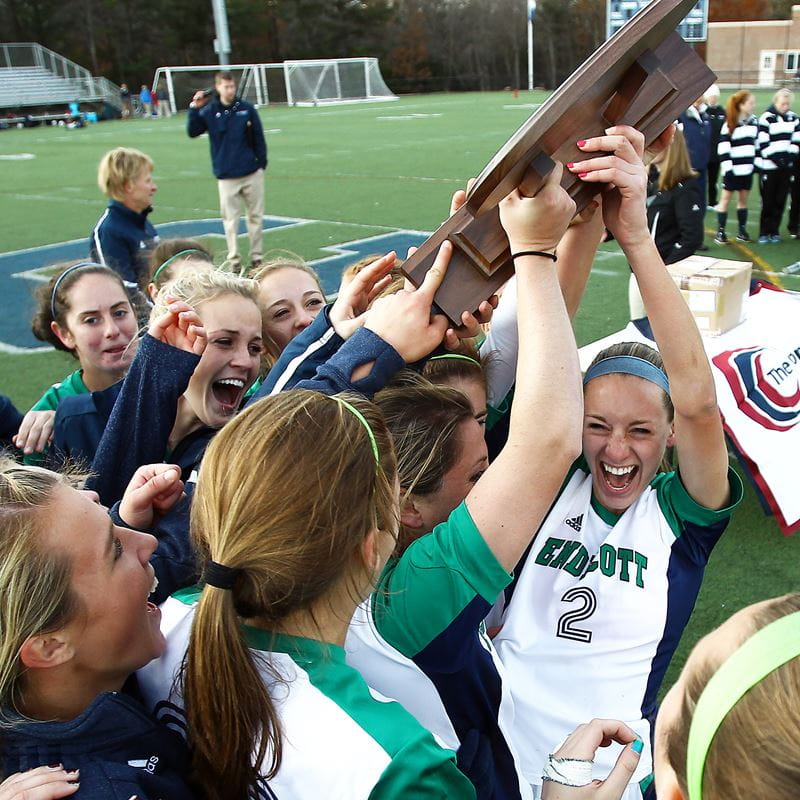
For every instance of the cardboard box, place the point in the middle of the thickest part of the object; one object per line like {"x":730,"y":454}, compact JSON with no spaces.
{"x":714,"y":290}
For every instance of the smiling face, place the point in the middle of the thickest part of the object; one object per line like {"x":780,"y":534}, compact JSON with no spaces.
{"x":230,"y":362}
{"x":626,"y":431}
{"x":783,"y":103}
{"x":137,"y":194}
{"x":116,"y":630}
{"x":101,"y":329}
{"x":290,"y":300}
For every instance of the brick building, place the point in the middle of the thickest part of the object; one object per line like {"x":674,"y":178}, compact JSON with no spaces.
{"x":760,"y":53}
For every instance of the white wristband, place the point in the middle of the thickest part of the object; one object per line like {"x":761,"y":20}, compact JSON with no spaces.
{"x":568,"y":771}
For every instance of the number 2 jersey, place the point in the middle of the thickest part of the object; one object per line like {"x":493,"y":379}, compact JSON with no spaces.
{"x":597,"y":609}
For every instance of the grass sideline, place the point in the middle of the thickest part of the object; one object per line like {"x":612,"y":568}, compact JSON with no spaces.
{"x":362,"y":170}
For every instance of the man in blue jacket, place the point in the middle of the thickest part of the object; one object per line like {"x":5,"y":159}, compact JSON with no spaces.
{"x":238,"y":158}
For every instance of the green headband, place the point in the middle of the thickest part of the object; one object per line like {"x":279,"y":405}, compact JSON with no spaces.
{"x":363,"y":420}
{"x":456,"y":355}
{"x":177,"y":255}
{"x":765,"y":651}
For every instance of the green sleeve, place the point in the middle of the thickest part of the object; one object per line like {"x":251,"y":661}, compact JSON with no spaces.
{"x":679,"y":507}
{"x":422,"y":593}
{"x":423,"y":771}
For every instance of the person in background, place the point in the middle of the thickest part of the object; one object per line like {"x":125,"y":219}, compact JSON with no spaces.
{"x":146,"y":99}
{"x":696,"y":129}
{"x":164,"y":107}
{"x":239,"y":158}
{"x":675,"y":212}
{"x":778,"y":154}
{"x":716,"y":116}
{"x":737,"y":154}
{"x":125,"y":99}
{"x":123,"y":236}
{"x":170,"y":258}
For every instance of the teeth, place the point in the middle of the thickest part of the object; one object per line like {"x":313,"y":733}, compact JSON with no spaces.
{"x":238,"y":383}
{"x":155,"y":585}
{"x":618,"y":470}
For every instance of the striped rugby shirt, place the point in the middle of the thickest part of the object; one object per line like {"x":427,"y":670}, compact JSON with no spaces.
{"x":737,"y":150}
{"x":777,"y":139}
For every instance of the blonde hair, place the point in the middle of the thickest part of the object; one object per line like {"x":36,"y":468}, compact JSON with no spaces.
{"x":787,"y":93}
{"x":35,"y":582}
{"x":120,"y":166}
{"x":286,"y":261}
{"x":196,"y":288}
{"x":675,"y":167}
{"x":754,"y":752}
{"x":287,"y":494}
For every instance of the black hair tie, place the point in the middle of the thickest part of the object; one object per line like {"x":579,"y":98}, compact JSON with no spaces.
{"x":220,"y":576}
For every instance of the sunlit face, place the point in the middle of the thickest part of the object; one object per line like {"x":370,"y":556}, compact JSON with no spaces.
{"x":226,"y":89}
{"x":290,"y":300}
{"x":471,"y":463}
{"x":475,"y":392}
{"x":231,"y":360}
{"x":116,"y":629}
{"x":100,"y":328}
{"x":783,"y":103}
{"x":748,"y":105}
{"x":625,"y":434}
{"x":717,"y":645}
{"x":137,"y":194}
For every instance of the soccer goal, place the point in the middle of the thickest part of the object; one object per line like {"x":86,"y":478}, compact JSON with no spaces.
{"x":341,"y":80}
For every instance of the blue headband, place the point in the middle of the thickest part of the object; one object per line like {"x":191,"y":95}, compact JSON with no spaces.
{"x":628,"y":365}
{"x":61,"y":277}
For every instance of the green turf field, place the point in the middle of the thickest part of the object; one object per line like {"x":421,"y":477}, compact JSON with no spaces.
{"x":358,"y":171}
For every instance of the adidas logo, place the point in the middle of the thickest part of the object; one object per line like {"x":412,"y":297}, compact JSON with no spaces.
{"x":576,"y":523}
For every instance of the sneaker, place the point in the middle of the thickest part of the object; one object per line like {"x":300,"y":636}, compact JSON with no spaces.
{"x":774,"y":239}
{"x":794,"y":234}
{"x":721,"y":237}
{"x":743,"y":236}
{"x":763,"y":239}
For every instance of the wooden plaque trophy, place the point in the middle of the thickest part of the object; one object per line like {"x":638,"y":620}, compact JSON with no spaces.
{"x":645,"y":76}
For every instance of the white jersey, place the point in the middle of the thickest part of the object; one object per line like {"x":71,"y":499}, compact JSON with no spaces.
{"x":392,"y":674}
{"x":341,"y":740}
{"x":597,"y":610}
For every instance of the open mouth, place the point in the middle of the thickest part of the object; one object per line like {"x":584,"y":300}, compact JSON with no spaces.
{"x":618,"y":479}
{"x":228,"y":392}
{"x":116,"y":351}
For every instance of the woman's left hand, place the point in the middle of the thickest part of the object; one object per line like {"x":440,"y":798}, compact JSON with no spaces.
{"x":582,"y":744}
{"x":625,"y":176}
{"x":153,"y":489}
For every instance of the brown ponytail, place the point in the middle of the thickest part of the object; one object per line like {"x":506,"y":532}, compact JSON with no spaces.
{"x":287,"y":493}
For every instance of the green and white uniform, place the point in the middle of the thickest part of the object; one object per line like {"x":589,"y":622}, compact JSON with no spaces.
{"x":597,"y":611}
{"x":341,"y":740}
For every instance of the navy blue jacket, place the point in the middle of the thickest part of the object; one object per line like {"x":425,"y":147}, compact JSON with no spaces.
{"x":235,"y":135}
{"x":120,"y":750}
{"x":79,"y":425}
{"x":10,"y":420}
{"x":698,"y":139}
{"x":122,"y":239}
{"x":716,"y":116}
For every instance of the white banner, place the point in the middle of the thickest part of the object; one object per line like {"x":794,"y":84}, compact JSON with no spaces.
{"x":756,"y":368}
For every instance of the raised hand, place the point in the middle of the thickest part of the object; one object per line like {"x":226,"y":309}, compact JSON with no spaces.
{"x":180,"y":327}
{"x":35,"y":431}
{"x":356,"y":296}
{"x":152,"y":491}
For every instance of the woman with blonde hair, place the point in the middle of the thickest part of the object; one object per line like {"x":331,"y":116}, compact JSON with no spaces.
{"x":123,"y":236}
{"x":727,"y":730}
{"x":737,"y":150}
{"x":75,"y":622}
{"x":200,"y":356}
{"x":675,"y":211}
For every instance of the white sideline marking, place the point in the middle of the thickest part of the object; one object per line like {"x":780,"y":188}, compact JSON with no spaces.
{"x":394,"y":118}
{"x":522,"y":105}
{"x":17,"y":157}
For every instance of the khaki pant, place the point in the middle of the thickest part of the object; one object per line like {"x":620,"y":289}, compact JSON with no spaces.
{"x":232,"y":191}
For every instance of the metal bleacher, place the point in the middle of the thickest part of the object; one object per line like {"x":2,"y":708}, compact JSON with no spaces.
{"x":33,"y":76}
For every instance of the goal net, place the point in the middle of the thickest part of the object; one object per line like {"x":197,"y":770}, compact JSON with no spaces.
{"x":343,"y":80}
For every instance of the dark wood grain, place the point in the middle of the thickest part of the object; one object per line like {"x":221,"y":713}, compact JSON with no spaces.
{"x":644,"y":76}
